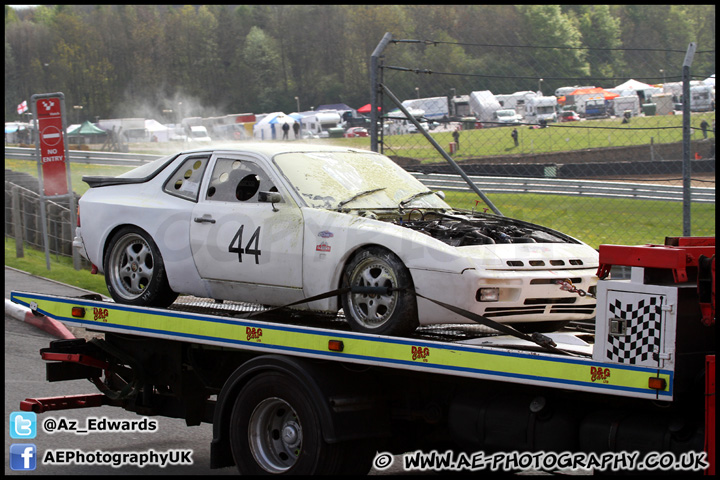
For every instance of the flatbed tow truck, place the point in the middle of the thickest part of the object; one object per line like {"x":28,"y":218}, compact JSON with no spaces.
{"x":292,"y":394}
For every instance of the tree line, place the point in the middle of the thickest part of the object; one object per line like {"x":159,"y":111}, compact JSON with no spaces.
{"x":169,"y":62}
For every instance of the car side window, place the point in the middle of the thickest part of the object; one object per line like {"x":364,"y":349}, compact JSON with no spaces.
{"x":185,"y":181}
{"x":236,"y":180}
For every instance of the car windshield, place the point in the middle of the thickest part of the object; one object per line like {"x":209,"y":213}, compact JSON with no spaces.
{"x":351,"y":179}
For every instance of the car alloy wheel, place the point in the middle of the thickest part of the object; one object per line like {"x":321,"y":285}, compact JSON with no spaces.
{"x":135,"y":272}
{"x":393,"y":313}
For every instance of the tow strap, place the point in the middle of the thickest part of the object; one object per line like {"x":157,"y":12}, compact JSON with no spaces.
{"x":537,"y":338}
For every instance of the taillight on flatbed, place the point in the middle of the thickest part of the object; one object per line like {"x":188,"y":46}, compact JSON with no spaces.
{"x":78,"y":215}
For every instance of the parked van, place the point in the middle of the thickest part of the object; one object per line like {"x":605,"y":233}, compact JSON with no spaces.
{"x":434,"y":108}
{"x":702,"y":98}
{"x":595,"y":107}
{"x":321,"y":124}
{"x":199,"y":133}
{"x":516,"y":101}
{"x":541,"y":109}
{"x":622,"y":104}
{"x":507,"y":116}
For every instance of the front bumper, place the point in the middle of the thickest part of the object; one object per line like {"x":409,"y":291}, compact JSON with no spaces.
{"x":524,"y":296}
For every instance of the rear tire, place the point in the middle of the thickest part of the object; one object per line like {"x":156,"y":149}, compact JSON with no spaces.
{"x":275,"y":429}
{"x":134,"y":270}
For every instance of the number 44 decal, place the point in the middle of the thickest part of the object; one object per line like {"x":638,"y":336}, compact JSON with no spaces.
{"x":252,"y":247}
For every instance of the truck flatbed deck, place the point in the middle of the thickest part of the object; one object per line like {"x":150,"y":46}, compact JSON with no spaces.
{"x":471,"y":353}
{"x":288,"y":393}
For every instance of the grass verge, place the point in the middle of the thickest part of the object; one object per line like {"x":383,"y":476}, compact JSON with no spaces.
{"x":598,"y":221}
{"x":61,"y":268}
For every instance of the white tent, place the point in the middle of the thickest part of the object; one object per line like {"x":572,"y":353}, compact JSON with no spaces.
{"x":634,"y":87}
{"x":710,"y":80}
{"x":270,"y":127}
{"x":157,"y":131}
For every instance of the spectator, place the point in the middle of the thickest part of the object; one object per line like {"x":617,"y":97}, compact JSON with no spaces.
{"x":514,"y":136}
{"x":704,"y":126}
{"x":296,"y":129}
{"x":285,"y":129}
{"x":456,"y":137}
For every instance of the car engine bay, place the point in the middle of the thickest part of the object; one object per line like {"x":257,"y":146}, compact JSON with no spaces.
{"x":480,"y":229}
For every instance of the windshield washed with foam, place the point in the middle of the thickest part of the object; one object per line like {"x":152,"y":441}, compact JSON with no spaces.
{"x":354,"y":180}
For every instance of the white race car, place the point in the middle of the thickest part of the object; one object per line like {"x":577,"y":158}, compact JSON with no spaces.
{"x":274,"y":224}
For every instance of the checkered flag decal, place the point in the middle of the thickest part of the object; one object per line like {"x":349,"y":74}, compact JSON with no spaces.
{"x":642,"y":337}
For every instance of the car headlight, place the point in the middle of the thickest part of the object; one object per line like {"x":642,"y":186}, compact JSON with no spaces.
{"x":488,"y":295}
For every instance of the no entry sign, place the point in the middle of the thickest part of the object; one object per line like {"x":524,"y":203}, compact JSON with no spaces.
{"x":49,"y":116}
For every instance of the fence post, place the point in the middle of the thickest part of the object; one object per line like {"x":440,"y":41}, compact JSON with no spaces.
{"x":17,"y":222}
{"x":374,"y":90}
{"x":51,"y":225}
{"x":687,"y":182}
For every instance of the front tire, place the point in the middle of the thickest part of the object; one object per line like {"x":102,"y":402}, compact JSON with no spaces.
{"x":392,"y":314}
{"x":134,"y":270}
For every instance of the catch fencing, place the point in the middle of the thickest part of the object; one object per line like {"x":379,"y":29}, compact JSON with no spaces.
{"x":23,"y":218}
{"x":496,"y":123}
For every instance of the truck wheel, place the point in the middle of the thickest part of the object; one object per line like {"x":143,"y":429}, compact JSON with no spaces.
{"x":393,"y":314}
{"x":275,"y":428}
{"x":134,"y":270}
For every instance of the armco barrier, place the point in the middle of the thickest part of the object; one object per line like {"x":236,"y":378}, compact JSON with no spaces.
{"x":556,"y":186}
{"x":439,"y":181}
{"x":86,"y":156}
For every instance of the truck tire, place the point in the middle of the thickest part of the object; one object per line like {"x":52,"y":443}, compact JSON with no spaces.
{"x":134,"y":270}
{"x":393,"y":314}
{"x":275,"y":429}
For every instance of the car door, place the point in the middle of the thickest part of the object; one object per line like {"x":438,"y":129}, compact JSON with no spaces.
{"x":240,"y":244}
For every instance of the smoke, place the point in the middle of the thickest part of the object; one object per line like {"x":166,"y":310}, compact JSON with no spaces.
{"x":166,"y":109}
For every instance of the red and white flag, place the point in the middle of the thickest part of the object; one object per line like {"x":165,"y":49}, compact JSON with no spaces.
{"x":22,"y":108}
